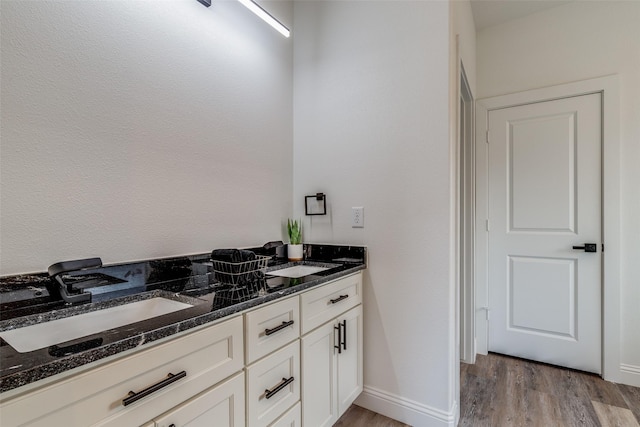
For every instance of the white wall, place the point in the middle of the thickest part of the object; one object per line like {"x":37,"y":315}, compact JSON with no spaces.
{"x":573,"y":42}
{"x":371,"y":129}
{"x":462,"y":49}
{"x":464,"y":27}
{"x":137,"y":129}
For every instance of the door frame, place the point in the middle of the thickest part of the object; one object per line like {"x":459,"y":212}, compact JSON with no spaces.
{"x":608,"y":86}
{"x":465,"y":216}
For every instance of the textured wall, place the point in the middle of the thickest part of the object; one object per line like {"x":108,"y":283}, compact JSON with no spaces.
{"x":371,"y":82}
{"x":137,"y":129}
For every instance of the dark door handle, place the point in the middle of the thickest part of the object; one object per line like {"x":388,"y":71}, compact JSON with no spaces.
{"x":339,"y":346}
{"x":588,"y":247}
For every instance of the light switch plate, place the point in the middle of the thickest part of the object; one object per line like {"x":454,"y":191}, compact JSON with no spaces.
{"x":357,"y":217}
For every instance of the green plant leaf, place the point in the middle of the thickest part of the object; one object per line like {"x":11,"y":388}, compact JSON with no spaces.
{"x":294,"y":229}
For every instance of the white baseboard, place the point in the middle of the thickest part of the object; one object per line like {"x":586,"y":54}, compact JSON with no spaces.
{"x":630,"y":375}
{"x":404,"y":410}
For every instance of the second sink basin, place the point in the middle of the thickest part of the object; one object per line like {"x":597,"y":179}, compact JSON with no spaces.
{"x":298,"y":271}
{"x":45,"y":334}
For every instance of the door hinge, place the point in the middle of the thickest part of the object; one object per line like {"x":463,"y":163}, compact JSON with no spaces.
{"x":487,"y":224}
{"x":487,"y":136}
{"x":603,"y":247}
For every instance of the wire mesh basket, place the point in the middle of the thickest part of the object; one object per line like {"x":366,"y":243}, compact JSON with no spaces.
{"x":240,"y":273}
{"x":226,"y":295}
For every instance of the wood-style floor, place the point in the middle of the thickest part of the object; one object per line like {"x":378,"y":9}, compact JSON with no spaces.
{"x":360,"y":417}
{"x":505,"y":391}
{"x":502,"y":391}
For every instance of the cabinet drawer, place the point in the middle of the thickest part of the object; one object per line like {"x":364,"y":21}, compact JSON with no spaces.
{"x":271,"y":327}
{"x":292,"y":418}
{"x":273,"y":385}
{"x":329,"y":301}
{"x":206,"y":357}
{"x":223,"y":403}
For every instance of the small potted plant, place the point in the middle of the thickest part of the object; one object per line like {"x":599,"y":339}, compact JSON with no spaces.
{"x":294,"y":248}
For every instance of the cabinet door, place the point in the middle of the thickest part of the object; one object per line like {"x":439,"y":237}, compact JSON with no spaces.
{"x":222,"y":406}
{"x":291,"y":418}
{"x":319,"y":377}
{"x":349,"y":361}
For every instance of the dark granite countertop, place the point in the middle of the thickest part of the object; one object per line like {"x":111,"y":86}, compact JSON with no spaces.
{"x":32,"y":299}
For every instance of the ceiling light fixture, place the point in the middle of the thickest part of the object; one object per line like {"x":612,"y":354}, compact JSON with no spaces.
{"x":265,"y":16}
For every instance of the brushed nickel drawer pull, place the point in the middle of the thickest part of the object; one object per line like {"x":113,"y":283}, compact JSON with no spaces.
{"x":278,"y":328}
{"x":333,"y":301}
{"x":285,"y":382}
{"x":134,"y":397}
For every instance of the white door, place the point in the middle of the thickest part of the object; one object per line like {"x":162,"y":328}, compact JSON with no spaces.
{"x":544,"y":199}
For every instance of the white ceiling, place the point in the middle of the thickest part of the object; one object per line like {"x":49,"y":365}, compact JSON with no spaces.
{"x":491,"y":12}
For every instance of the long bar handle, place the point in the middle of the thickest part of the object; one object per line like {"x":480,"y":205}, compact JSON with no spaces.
{"x":339,"y":346}
{"x":344,"y":334}
{"x":333,"y":301}
{"x":285,"y":382}
{"x":278,"y":328}
{"x":134,"y":397}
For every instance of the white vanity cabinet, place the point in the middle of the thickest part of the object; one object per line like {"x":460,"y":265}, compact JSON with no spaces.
{"x":136,"y":388}
{"x":252,"y":370}
{"x":332,"y":352}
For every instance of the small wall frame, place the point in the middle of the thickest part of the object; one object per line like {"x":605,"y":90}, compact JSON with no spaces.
{"x":315,"y":204}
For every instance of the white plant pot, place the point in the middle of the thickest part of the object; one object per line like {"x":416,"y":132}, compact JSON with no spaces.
{"x":294,"y":252}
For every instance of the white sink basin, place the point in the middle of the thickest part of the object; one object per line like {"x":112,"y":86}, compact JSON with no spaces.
{"x":45,"y":334}
{"x":297,"y":271}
